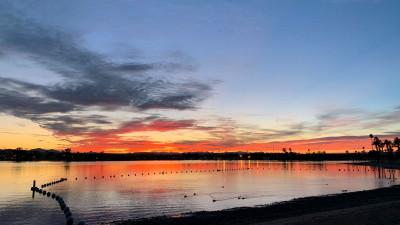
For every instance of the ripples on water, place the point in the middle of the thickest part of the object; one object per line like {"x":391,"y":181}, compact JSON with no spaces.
{"x":169,"y":187}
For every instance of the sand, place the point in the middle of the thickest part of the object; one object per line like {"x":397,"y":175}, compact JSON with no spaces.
{"x":378,"y":213}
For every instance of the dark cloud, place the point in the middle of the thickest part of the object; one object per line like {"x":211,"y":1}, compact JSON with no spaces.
{"x":62,"y":123}
{"x":20,"y":104}
{"x":137,"y":67}
{"x":92,"y":80}
{"x":67,"y":129}
{"x":88,"y":78}
{"x":132,"y":67}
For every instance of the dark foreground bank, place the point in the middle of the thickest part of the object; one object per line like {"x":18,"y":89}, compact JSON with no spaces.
{"x":379,"y":206}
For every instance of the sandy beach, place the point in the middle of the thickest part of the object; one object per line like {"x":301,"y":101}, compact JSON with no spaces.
{"x":379,"y":206}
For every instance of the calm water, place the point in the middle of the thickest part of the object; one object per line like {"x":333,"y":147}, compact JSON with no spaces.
{"x":161,"y":190}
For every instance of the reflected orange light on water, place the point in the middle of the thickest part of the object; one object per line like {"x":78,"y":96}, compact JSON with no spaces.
{"x":145,"y":188}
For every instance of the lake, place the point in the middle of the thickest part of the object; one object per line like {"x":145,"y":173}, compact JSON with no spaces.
{"x":99,"y":192}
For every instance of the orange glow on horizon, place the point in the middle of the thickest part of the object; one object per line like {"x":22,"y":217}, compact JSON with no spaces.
{"x":339,"y":145}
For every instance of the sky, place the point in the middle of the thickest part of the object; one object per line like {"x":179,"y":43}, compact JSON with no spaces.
{"x":191,"y":76}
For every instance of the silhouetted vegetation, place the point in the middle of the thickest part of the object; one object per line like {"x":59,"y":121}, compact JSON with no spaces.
{"x":384,"y":149}
{"x":67,"y":155}
{"x":381,"y":151}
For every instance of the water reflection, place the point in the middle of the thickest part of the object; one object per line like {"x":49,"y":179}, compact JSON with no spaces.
{"x":120,"y":190}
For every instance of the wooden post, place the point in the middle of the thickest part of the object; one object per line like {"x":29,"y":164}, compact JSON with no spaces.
{"x":33,"y":192}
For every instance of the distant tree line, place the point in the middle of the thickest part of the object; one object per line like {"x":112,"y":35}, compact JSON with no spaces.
{"x":382,"y":151}
{"x":67,"y":155}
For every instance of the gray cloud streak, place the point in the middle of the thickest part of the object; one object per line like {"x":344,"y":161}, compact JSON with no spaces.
{"x":89,"y":79}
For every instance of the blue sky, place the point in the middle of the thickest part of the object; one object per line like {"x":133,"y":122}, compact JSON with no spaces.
{"x":263,"y":71}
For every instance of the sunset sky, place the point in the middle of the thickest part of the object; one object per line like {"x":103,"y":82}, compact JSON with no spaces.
{"x":188,"y":76}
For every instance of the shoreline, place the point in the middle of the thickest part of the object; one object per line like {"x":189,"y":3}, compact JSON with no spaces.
{"x":305,"y":210}
{"x":377,"y":206}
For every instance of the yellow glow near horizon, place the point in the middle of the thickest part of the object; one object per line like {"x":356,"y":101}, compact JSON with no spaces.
{"x":16,"y":132}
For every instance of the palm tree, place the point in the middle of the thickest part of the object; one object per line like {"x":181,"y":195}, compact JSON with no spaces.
{"x":381,"y":146}
{"x":377,"y":143}
{"x":388,"y":145}
{"x":372,"y":144}
{"x":396,"y":143}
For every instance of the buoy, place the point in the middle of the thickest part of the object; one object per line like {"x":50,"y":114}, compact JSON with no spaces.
{"x":40,"y":191}
{"x":57,"y":197}
{"x":63,"y":206}
{"x":53,"y":195}
{"x":66,"y":209}
{"x":70,"y":220}
{"x":48,"y":194}
{"x":68,"y":214}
